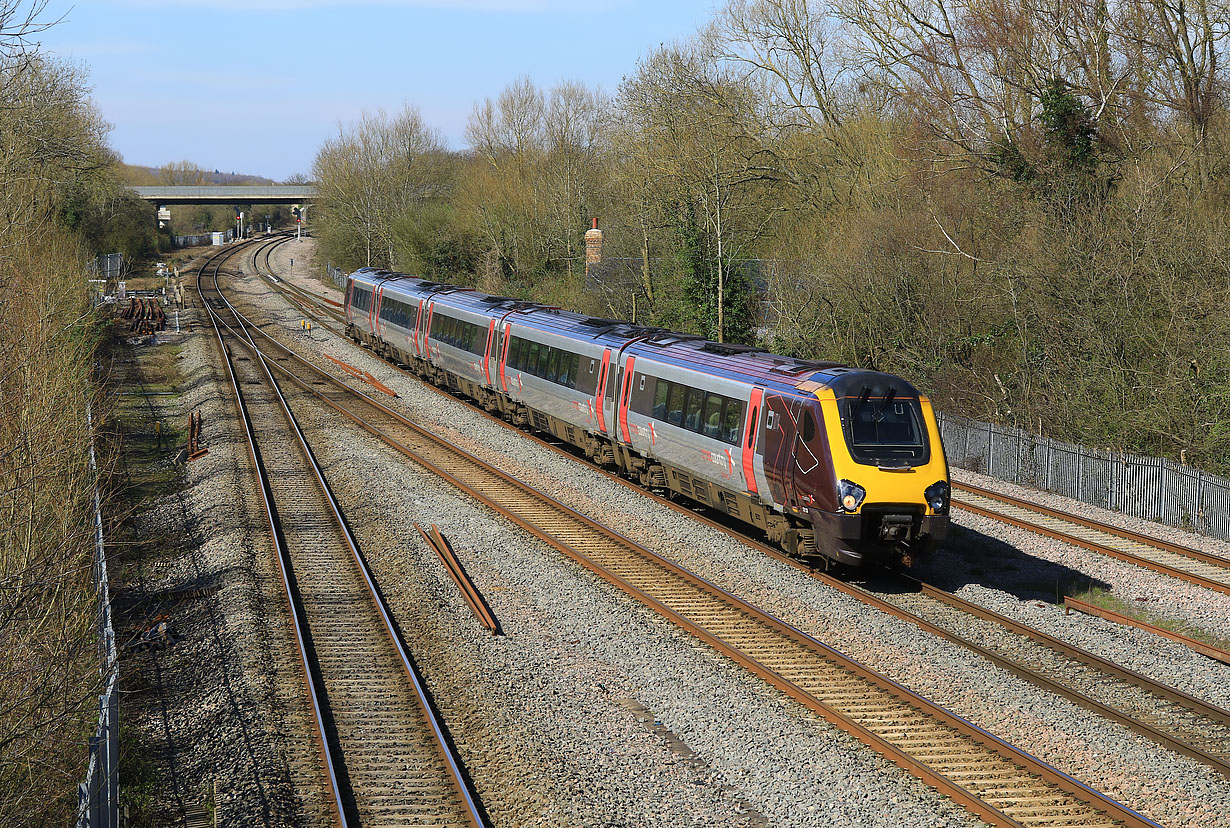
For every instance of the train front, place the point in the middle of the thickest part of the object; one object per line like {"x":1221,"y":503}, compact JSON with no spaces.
{"x":889,"y":471}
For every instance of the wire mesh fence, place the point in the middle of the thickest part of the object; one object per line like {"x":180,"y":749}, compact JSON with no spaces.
{"x":337,"y":275}
{"x":1151,"y":488}
{"x":98,"y":796}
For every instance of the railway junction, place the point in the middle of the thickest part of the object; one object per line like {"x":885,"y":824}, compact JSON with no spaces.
{"x":566,"y":648}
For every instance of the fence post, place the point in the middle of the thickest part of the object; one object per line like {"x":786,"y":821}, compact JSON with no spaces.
{"x":1080,"y":474}
{"x":1200,"y":526}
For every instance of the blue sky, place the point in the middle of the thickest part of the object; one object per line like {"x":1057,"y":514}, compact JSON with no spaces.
{"x":255,"y":86}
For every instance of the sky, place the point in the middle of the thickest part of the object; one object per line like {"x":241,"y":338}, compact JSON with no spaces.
{"x":256,"y":86}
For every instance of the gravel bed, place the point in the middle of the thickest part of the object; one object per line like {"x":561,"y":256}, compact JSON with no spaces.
{"x":1203,"y":543}
{"x":551,"y":719}
{"x":1024,"y":576}
{"x":1171,"y":789}
{"x":207,"y":709}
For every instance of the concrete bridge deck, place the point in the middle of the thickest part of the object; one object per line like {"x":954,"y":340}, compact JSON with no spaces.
{"x":237,"y":194}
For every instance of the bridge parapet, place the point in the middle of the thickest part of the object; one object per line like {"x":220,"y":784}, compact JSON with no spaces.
{"x":237,"y":194}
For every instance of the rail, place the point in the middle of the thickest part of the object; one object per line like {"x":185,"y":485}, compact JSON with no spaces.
{"x":1151,"y":488}
{"x":349,"y":712}
{"x":1194,"y":566}
{"x":918,"y":735}
{"x":1204,"y":649}
{"x":473,"y":598}
{"x":1173,"y":703}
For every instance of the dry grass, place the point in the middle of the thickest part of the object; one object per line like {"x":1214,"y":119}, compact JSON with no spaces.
{"x":1107,"y":600}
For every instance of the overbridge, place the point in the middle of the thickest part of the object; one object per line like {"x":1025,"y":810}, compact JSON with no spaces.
{"x":238,"y":195}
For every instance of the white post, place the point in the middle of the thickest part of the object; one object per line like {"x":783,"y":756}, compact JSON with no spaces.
{"x":176,"y":320}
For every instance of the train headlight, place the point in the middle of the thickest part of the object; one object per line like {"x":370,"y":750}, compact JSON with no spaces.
{"x":937,"y":496}
{"x":850,"y":494}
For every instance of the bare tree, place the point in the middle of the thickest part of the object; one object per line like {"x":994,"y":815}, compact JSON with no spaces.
{"x":181,"y":174}
{"x":369,"y":176}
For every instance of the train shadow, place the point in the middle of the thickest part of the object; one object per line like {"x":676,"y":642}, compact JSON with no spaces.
{"x":970,"y":557}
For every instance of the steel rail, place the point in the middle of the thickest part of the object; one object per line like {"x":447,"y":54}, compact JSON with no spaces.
{"x":1221,"y":583}
{"x":328,"y":763}
{"x":471,"y":813}
{"x":1204,"y":649}
{"x":496,"y":489}
{"x":1162,"y":692}
{"x":474,"y":600}
{"x":1179,"y":744}
{"x":1219,"y":760}
{"x":1101,"y":526}
{"x":307,"y":301}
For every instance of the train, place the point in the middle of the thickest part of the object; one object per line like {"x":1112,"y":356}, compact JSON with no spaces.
{"x":832,"y":463}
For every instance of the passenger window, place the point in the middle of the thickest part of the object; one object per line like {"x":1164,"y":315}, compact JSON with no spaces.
{"x":691,"y":417}
{"x":659,"y":399}
{"x":552,"y":369}
{"x":574,"y":372}
{"x":711,"y":420}
{"x":531,"y":359}
{"x":751,"y":431}
{"x":732,"y":417}
{"x":544,"y":359}
{"x":674,"y":407}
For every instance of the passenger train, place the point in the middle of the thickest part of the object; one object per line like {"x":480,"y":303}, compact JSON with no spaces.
{"x":833,"y":463}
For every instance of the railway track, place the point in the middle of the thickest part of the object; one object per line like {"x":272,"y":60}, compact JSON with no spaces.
{"x":311,"y":304}
{"x":991,"y":778}
{"x":1175,"y":560}
{"x":1173,"y":719}
{"x":382,"y":750}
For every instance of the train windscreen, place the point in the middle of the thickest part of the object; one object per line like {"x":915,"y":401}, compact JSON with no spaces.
{"x":886,"y":431}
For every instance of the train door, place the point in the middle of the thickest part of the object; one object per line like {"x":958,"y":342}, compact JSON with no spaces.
{"x":600,"y":392}
{"x":431,"y":308}
{"x":492,"y":349}
{"x":503,"y":356}
{"x":625,"y":393}
{"x":796,"y":461}
{"x":418,"y":327}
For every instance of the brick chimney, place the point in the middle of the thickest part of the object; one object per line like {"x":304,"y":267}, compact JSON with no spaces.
{"x":593,"y":246}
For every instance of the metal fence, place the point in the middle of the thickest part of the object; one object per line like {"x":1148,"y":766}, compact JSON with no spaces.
{"x":109,"y":267}
{"x":337,"y":275}
{"x":203,"y":239}
{"x":1151,"y":488}
{"x":98,"y":798}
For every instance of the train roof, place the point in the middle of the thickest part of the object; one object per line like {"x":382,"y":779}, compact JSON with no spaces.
{"x":660,"y":344}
